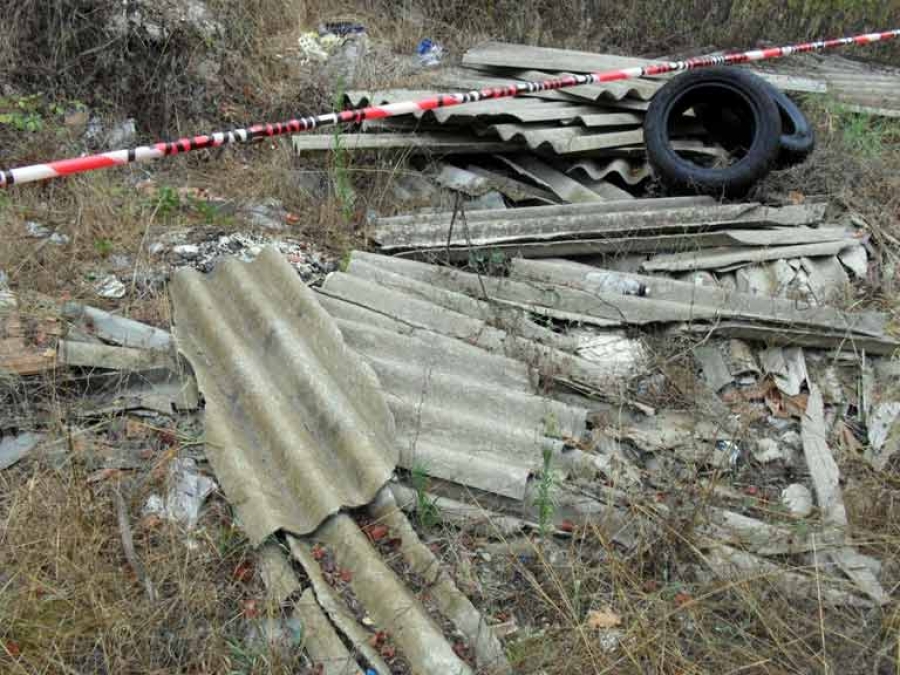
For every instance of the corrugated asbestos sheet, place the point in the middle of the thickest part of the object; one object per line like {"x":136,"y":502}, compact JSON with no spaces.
{"x":296,"y":426}
{"x":465,"y":411}
{"x":661,"y":226}
{"x":582,"y":294}
{"x":501,"y":55}
{"x":864,"y":87}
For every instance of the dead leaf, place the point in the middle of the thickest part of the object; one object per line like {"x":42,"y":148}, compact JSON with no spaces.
{"x":603,"y":619}
{"x":797,"y":198}
{"x":376,"y":532}
{"x":682,"y":598}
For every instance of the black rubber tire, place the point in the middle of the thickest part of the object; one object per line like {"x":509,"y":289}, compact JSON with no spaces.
{"x":749,"y":121}
{"x":798,"y":139}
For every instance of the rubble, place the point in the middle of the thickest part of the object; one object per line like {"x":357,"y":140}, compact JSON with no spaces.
{"x":15,"y":448}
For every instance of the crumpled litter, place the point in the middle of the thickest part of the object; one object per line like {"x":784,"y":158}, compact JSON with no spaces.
{"x":187,"y":490}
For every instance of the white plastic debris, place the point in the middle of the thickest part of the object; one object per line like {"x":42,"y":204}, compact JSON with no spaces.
{"x":110,"y":287}
{"x":38,"y":231}
{"x":798,"y":500}
{"x":314,"y":47}
{"x":187,"y":489}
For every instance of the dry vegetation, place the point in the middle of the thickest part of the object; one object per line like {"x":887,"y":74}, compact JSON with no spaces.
{"x":70,"y":602}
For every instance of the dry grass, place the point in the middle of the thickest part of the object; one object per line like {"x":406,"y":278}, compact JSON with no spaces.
{"x":70,"y":603}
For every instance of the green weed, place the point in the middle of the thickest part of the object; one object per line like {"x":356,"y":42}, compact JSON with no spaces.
{"x":103,"y":247}
{"x":343,"y":187}
{"x":544,"y":500}
{"x":427,"y":512}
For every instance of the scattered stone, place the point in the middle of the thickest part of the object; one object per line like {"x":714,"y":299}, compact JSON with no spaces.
{"x":798,"y":500}
{"x":766,"y":451}
{"x":156,"y":248}
{"x":186,"y":251}
{"x":4,"y":280}
{"x":269,"y":215}
{"x":110,"y":287}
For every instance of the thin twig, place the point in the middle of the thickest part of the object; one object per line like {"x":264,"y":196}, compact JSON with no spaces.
{"x":128,"y":546}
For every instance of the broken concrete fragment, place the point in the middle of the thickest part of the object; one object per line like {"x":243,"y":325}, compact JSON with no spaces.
{"x":89,"y":355}
{"x":729,"y":257}
{"x":822,"y":467}
{"x":797,"y":499}
{"x":856,"y":260}
{"x":882,"y":433}
{"x":766,"y":451}
{"x":117,"y":329}
{"x":321,"y":641}
{"x":15,"y":448}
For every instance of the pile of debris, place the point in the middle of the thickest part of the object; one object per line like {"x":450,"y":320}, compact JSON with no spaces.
{"x":581,"y":144}
{"x":524,"y":377}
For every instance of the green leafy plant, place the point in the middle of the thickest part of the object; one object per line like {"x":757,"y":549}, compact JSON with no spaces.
{"x":427,"y":512}
{"x":544,"y":499}
{"x":168,"y":200}
{"x":103,"y":247}
{"x":342,"y":185}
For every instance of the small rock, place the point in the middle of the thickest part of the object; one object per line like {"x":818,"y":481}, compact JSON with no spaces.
{"x":156,"y":248}
{"x":766,"y":450}
{"x":4,"y":280}
{"x":110,"y":287}
{"x":798,"y":500}
{"x":186,"y":251}
{"x":269,"y":215}
{"x":609,"y":639}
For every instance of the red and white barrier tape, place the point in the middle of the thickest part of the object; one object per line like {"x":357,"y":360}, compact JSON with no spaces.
{"x":66,"y":167}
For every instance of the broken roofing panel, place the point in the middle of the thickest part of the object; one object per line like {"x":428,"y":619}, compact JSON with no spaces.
{"x":462,"y":414}
{"x":613,"y":220}
{"x":296,"y":427}
{"x":504,"y":55}
{"x":763,"y":316}
{"x":425,"y":142}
